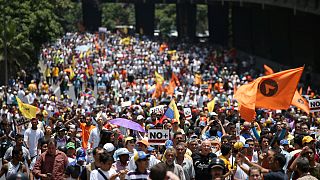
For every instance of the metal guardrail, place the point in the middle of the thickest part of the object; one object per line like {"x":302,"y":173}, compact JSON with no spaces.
{"x":310,"y":6}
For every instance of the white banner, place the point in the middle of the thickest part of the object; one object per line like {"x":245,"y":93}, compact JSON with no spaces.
{"x":314,"y":105}
{"x":158,"y":136}
{"x":157,"y":109}
{"x":126,"y":104}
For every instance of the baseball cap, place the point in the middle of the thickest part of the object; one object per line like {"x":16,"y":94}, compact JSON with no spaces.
{"x":71,"y":145}
{"x":140,"y":155}
{"x":307,"y":139}
{"x":109,"y":147}
{"x":129,"y":138}
{"x":168,"y":144}
{"x":81,"y":155}
{"x":217,"y":162}
{"x":122,"y":151}
{"x":213,"y":114}
{"x":144,"y":141}
{"x":238,"y":145}
{"x":202,"y":123}
{"x":150,"y":148}
{"x":284,"y":142}
{"x":140,"y":117}
{"x":119,"y":152}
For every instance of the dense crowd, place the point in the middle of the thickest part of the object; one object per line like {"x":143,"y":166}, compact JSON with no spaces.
{"x":89,"y":80}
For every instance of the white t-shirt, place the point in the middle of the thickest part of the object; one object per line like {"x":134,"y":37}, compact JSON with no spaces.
{"x":94,"y":138}
{"x":95,"y":175}
{"x":31,"y":138}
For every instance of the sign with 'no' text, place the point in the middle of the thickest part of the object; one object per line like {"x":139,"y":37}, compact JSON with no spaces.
{"x":158,"y":136}
{"x":314,"y":105}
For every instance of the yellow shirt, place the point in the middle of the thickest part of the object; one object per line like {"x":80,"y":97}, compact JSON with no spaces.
{"x":55,"y":72}
{"x":227,"y":163}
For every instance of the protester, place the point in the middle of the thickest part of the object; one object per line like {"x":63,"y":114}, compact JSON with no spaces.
{"x":169,"y":159}
{"x":15,"y":165}
{"x":105,"y":171}
{"x":142,"y":162}
{"x":187,"y":91}
{"x":217,"y":169}
{"x":75,"y":168}
{"x":51,"y":164}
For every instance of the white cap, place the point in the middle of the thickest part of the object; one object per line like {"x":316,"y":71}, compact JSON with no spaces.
{"x":139,"y":117}
{"x":109,"y":147}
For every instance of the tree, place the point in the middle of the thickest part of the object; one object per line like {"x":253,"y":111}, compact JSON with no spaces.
{"x":18,"y":48}
{"x":114,"y":14}
{"x":165,"y":18}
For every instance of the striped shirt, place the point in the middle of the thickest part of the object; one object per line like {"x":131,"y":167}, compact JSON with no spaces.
{"x":137,"y":175}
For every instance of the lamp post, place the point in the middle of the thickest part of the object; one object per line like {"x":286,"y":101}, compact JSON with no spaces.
{"x":5,"y":53}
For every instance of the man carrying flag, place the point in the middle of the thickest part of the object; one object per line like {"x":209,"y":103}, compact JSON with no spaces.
{"x":274,"y":91}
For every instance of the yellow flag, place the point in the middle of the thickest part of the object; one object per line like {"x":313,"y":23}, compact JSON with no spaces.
{"x":27,"y":110}
{"x":210,"y":105}
{"x":71,"y":73}
{"x":159,"y":78}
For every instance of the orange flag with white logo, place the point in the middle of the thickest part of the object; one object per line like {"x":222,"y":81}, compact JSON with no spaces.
{"x":300,"y":102}
{"x":267,"y":70}
{"x":274,"y":91}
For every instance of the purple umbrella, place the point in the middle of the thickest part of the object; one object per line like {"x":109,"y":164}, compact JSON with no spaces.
{"x":127,"y":124}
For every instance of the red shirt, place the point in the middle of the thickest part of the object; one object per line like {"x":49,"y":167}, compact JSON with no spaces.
{"x":56,"y":165}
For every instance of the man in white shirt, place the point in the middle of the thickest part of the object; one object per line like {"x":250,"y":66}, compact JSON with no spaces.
{"x":32,"y":136}
{"x":94,"y":137}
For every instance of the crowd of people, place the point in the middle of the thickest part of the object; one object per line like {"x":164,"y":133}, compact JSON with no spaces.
{"x":90,"y":79}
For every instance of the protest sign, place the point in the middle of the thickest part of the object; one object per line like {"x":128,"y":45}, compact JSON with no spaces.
{"x":187,"y":113}
{"x":157,"y":109}
{"x":126,"y":104}
{"x":314,"y":105}
{"x":158,"y":136}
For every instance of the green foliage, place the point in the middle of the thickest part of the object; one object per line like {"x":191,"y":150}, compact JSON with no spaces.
{"x":165,"y":17}
{"x":114,"y":14}
{"x":202,"y":18}
{"x":18,"y":47}
{"x":30,"y":23}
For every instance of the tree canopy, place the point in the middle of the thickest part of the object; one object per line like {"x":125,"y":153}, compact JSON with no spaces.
{"x":27,"y":24}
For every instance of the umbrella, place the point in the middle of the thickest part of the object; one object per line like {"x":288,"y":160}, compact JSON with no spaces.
{"x":127,"y":124}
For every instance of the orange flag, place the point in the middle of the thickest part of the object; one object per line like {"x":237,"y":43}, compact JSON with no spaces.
{"x":297,"y":100}
{"x":267,"y":70}
{"x":274,"y":91}
{"x":175,"y":79}
{"x":300,"y":102}
{"x":173,"y":84}
{"x":158,"y":91}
